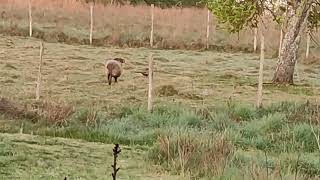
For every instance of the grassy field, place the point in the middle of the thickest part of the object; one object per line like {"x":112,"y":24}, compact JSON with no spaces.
{"x":204,"y":115}
{"x":75,"y":74}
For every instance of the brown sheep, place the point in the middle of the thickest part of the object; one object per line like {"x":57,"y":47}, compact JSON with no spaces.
{"x":113,"y":68}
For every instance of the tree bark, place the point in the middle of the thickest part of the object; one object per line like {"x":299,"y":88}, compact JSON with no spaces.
{"x":296,"y":22}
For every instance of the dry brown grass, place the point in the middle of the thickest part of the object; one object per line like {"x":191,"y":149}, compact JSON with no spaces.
{"x":57,"y":113}
{"x":15,"y":110}
{"x":313,"y":60}
{"x":69,"y":21}
{"x":258,"y":172}
{"x":307,"y":111}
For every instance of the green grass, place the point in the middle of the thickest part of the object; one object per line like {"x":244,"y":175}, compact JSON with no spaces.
{"x":33,"y":157}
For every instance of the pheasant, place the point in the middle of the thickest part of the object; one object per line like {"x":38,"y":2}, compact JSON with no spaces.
{"x":144,"y":73}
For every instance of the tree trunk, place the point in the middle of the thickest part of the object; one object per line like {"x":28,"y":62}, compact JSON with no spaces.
{"x":296,"y":21}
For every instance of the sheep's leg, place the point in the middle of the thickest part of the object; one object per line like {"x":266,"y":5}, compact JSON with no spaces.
{"x":116,"y":79}
{"x":109,"y":79}
{"x":107,"y":74}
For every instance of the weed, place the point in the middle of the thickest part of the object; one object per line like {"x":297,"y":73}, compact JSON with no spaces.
{"x":116,"y":152}
{"x":57,"y":113}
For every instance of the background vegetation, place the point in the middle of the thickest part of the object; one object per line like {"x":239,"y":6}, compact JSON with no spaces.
{"x":68,"y":22}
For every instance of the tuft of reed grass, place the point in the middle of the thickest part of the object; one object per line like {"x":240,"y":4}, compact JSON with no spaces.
{"x":193,"y":154}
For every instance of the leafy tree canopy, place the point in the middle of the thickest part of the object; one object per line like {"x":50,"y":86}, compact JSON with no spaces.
{"x":237,"y":14}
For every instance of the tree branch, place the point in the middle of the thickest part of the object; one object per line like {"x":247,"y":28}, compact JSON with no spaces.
{"x":268,"y":9}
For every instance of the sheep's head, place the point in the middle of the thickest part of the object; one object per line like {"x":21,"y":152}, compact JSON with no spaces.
{"x":120,"y":60}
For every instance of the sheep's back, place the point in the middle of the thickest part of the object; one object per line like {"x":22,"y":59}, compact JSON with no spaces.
{"x":114,"y":67}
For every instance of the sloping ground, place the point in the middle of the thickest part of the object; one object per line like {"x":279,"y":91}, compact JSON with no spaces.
{"x":33,"y":157}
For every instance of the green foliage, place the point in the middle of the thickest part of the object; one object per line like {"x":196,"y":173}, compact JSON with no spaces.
{"x":235,"y":14}
{"x":314,"y":17}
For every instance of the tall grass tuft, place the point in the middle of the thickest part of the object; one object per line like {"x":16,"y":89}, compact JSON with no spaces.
{"x":193,"y":154}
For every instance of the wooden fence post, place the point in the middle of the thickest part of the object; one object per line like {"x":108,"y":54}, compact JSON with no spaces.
{"x":91,"y":22}
{"x":260,"y":84}
{"x":255,"y":39}
{"x":308,"y":44}
{"x":208,"y":28}
{"x":152,"y":19}
{"x":39,"y":73}
{"x":3,"y":17}
{"x":150,"y":89}
{"x":30,"y":18}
